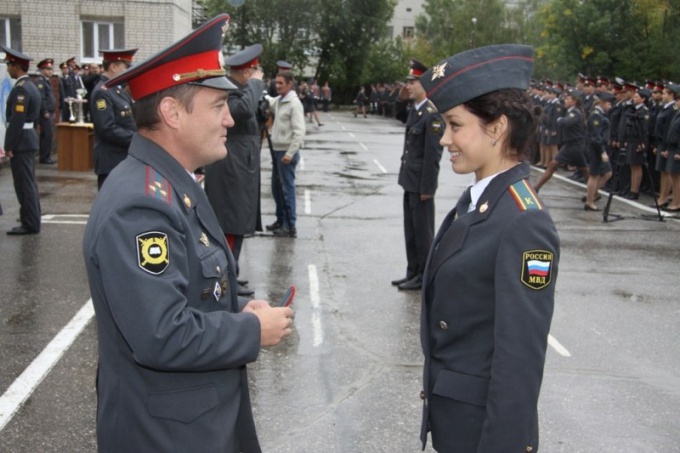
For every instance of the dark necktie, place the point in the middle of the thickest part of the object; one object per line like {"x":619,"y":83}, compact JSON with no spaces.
{"x":464,"y":202}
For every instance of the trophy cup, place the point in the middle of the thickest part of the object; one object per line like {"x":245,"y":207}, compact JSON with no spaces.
{"x":72,"y":118}
{"x":80,"y":94}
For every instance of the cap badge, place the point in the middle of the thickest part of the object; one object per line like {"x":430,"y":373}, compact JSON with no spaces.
{"x":484,"y":207}
{"x":204,"y":239}
{"x":438,"y":71}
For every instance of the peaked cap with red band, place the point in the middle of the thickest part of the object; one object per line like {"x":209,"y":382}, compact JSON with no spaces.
{"x":118,"y":55}
{"x":196,"y":59}
{"x":416,"y":69}
{"x":244,"y":59}
{"x":14,"y":56}
{"x":475,"y":72}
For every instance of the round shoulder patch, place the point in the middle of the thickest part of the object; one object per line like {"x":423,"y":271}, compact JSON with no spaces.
{"x":152,"y":252}
{"x":101,"y":104}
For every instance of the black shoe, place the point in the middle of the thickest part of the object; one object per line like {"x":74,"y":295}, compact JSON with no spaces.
{"x":242,"y":291}
{"x":415,"y":283}
{"x":632,"y":195}
{"x":48,"y":162}
{"x":583,"y":198}
{"x":241,"y":282}
{"x":284,"y":232}
{"x":401,"y":280}
{"x":274,"y":226}
{"x":588,"y":208}
{"x":21,"y":230}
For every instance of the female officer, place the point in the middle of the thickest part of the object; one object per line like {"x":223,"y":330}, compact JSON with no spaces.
{"x":597,"y":137}
{"x":489,"y":284}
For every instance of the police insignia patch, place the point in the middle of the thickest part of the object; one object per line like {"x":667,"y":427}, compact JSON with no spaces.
{"x":596,"y":123}
{"x":101,"y":104}
{"x":436,"y":126}
{"x":537,"y":268}
{"x":152,"y":252}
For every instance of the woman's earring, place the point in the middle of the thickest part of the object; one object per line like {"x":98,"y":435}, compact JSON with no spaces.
{"x":493,"y":143}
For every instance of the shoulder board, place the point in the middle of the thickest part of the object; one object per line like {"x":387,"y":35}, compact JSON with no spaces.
{"x":157,"y":186}
{"x":431,"y":106}
{"x":20,"y":83}
{"x":525,"y":196}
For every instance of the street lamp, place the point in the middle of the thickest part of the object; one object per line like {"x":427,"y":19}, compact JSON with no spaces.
{"x":473,"y":32}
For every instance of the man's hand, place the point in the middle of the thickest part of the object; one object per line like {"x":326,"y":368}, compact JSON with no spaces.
{"x":9,"y":154}
{"x":275,"y":322}
{"x":256,"y":74}
{"x":425,"y":197}
{"x":286,"y":159}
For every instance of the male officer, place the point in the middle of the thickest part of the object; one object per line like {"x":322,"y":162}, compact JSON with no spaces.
{"x":67,"y":89}
{"x":233,"y":183}
{"x":418,"y":176}
{"x":111,"y":112}
{"x":174,"y":338}
{"x":47,"y":108}
{"x":21,"y":140}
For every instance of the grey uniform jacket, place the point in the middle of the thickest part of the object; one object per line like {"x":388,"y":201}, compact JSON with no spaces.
{"x":114,"y":126}
{"x":233,"y":183}
{"x":419,"y":172}
{"x":486,"y":314}
{"x":23,"y":106}
{"x":173,"y":343}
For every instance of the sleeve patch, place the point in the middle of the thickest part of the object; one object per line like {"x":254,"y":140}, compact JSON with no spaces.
{"x":436,"y":126}
{"x":525,"y":196}
{"x":101,"y":104}
{"x":537,"y":267}
{"x":153,"y":252}
{"x":19,"y":108}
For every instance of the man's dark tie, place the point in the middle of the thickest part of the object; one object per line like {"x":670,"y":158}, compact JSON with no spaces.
{"x":464,"y":203}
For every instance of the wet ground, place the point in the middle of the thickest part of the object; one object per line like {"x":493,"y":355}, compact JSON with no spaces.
{"x":348,"y":380}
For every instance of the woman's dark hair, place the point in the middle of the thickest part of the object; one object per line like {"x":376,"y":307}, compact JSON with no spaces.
{"x":516,"y":105}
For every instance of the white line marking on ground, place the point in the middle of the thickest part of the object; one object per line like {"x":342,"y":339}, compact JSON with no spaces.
{"x":308,"y":202}
{"x":382,"y":169}
{"x":557,"y":346}
{"x":67,"y":219}
{"x":351,"y":134}
{"x":363,"y":146}
{"x":26,"y":383}
{"x":317,"y":328}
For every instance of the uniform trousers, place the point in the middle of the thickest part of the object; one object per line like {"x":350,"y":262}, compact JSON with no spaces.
{"x":26,"y":188}
{"x":418,"y":232}
{"x":46,"y":136}
{"x":283,"y":189}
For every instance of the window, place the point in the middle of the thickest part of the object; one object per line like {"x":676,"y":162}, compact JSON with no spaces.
{"x":408,"y":33}
{"x":408,"y":10}
{"x":10,"y":32}
{"x":390,"y":32}
{"x":101,"y":35}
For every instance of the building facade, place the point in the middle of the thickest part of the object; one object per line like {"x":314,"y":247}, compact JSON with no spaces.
{"x":62,"y":29}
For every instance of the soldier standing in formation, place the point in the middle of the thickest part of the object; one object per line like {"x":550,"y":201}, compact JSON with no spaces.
{"x":418,"y":176}
{"x":111,"y":111}
{"x":597,"y":137}
{"x":48,"y":106}
{"x":21,"y":140}
{"x":233,"y":183}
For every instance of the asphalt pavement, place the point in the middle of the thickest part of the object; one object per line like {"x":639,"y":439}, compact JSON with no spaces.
{"x":349,"y":378}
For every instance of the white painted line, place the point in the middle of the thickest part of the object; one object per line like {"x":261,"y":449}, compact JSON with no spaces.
{"x":308,"y":202}
{"x":314,"y":296}
{"x":66,"y":222}
{"x":67,"y":219}
{"x":342,"y":127}
{"x":26,"y":383}
{"x":351,"y":134}
{"x":68,"y":216}
{"x":557,"y":346}
{"x":363,"y":146}
{"x":382,"y":169}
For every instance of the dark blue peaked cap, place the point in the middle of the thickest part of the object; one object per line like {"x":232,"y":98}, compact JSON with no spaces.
{"x":475,"y":72}
{"x":14,"y":56}
{"x":196,"y":59}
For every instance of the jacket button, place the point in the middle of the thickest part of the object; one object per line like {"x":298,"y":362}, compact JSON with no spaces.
{"x":422,"y":395}
{"x":530,"y":448}
{"x":443,"y":325}
{"x":219,"y":271}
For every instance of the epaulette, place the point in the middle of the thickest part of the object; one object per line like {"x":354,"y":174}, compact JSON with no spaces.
{"x":525,"y":196}
{"x":20,"y":83}
{"x":431,"y":106}
{"x":157,"y":186}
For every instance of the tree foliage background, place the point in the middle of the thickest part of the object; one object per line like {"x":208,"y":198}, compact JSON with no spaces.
{"x":346,"y":43}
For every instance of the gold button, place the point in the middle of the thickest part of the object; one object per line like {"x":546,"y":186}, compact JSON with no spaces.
{"x":443,"y":325}
{"x":219,"y":271}
{"x":530,"y":448}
